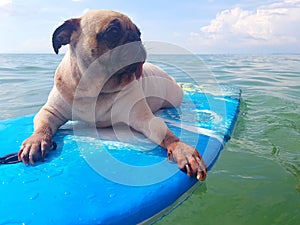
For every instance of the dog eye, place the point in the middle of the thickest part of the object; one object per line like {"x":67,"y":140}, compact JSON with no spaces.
{"x":112,"y":34}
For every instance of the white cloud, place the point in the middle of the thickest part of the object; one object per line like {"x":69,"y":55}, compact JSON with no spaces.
{"x":4,"y":3}
{"x":5,"y":10}
{"x":273,"y":25}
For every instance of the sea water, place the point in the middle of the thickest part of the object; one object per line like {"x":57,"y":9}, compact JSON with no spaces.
{"x":256,"y":179}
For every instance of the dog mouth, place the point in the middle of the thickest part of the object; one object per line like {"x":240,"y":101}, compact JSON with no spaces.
{"x":132,"y":69}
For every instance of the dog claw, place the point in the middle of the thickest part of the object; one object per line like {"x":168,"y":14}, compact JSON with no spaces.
{"x":188,"y":159}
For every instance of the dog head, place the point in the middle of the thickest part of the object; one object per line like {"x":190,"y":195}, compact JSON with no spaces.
{"x":105,"y":36}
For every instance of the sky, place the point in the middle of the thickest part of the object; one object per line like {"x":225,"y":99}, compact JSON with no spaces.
{"x":200,"y":26}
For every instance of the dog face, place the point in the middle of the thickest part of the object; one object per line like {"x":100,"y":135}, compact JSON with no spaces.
{"x":108,"y":37}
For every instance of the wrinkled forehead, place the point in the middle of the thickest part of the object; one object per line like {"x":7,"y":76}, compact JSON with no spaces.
{"x":98,"y":20}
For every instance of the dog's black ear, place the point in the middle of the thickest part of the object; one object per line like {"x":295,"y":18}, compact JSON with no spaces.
{"x":62,"y":35}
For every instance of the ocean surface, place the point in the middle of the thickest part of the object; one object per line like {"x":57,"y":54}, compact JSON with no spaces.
{"x":256,"y":179}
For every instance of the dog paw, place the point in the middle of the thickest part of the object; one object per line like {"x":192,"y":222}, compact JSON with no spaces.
{"x":188,"y":159}
{"x":36,"y":148}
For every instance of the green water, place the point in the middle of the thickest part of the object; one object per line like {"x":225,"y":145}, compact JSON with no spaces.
{"x":242,"y":188}
{"x":256,"y":179}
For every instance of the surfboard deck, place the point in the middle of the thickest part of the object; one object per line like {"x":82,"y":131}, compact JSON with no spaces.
{"x":112,"y":176}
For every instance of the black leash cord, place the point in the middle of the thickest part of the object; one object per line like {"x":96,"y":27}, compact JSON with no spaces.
{"x":9,"y":158}
{"x":13,"y":157}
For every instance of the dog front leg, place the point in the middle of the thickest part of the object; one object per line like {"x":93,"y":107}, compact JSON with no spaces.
{"x":187,"y":158}
{"x":38,"y":145}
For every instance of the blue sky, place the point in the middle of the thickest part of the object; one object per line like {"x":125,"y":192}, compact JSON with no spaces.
{"x":200,"y":26}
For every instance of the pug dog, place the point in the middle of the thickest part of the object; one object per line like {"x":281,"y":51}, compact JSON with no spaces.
{"x":103,"y":79}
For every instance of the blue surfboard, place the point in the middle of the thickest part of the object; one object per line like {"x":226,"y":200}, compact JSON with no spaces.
{"x":112,"y":176}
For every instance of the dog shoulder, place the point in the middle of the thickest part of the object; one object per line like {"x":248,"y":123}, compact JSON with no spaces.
{"x":150,"y":69}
